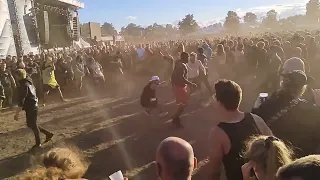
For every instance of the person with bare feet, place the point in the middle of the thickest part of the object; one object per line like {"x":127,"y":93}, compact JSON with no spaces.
{"x":28,"y":102}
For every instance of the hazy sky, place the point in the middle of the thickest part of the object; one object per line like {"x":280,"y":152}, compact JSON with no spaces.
{"x":206,"y":12}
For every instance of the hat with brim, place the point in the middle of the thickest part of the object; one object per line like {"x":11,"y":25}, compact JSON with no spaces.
{"x":155,"y":79}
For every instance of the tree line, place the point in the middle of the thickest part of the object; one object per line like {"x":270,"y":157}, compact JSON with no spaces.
{"x":232,"y":23}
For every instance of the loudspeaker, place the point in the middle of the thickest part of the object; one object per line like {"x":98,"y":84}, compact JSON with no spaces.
{"x":114,"y":39}
{"x":46,"y":27}
{"x":95,"y":30}
{"x":75,"y":29}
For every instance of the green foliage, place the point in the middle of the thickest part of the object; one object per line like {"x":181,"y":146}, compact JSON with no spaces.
{"x":108,"y":29}
{"x":232,"y":22}
{"x":271,"y":20}
{"x":313,"y":10}
{"x":250,"y":18}
{"x":188,"y":24}
{"x":132,"y":30}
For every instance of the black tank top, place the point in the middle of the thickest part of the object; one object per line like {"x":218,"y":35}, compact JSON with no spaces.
{"x":238,"y":133}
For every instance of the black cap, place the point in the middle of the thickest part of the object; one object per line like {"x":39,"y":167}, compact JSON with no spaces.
{"x":296,"y":78}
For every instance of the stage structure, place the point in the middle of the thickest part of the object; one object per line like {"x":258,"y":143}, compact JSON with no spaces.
{"x":39,"y":24}
{"x":7,"y":45}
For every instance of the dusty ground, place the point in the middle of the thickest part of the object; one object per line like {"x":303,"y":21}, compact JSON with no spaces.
{"x":112,"y":130}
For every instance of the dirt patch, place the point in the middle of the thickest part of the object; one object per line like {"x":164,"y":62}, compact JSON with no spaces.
{"x":112,"y":131}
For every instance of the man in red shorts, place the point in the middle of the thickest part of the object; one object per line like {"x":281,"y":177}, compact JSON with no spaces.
{"x":179,"y":79}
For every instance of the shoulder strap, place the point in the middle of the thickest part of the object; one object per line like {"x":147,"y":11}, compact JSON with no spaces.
{"x":284,"y":111}
{"x":255,"y":118}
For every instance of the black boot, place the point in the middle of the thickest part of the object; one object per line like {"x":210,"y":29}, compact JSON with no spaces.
{"x":176,"y":122}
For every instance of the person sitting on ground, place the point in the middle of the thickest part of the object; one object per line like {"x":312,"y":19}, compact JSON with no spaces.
{"x":148,"y":98}
{"x":306,"y":168}
{"x":175,"y":159}
{"x":57,"y":164}
{"x":266,"y":154}
{"x":235,"y":127}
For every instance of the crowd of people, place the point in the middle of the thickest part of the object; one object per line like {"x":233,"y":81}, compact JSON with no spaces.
{"x":276,"y":140}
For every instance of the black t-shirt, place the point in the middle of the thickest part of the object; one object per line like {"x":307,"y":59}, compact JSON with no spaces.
{"x":27,"y":96}
{"x":237,"y":133}
{"x":298,"y":125}
{"x":148,"y":95}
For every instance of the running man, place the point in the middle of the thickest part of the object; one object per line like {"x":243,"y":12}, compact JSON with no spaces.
{"x":49,"y":81}
{"x":180,"y":82}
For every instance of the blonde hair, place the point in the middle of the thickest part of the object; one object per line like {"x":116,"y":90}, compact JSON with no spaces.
{"x":21,"y":73}
{"x":269,"y":153}
{"x":56,"y":164}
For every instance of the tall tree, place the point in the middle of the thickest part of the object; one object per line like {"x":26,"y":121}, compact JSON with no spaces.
{"x":313,"y":10}
{"x":232,"y":22}
{"x":170,"y":29}
{"x":158,"y":30}
{"x":271,"y":20}
{"x":188,"y":24}
{"x":132,"y":30}
{"x":108,"y":29}
{"x":250,"y":18}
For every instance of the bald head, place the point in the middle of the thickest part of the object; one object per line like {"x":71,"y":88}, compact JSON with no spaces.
{"x":175,"y":159}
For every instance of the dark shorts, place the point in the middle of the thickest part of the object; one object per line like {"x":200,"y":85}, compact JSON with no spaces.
{"x":47,"y":88}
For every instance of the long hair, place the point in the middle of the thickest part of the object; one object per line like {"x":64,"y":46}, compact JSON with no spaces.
{"x":56,"y":164}
{"x":269,"y":153}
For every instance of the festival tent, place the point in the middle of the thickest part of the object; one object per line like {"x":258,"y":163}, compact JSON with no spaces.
{"x":81,"y":44}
